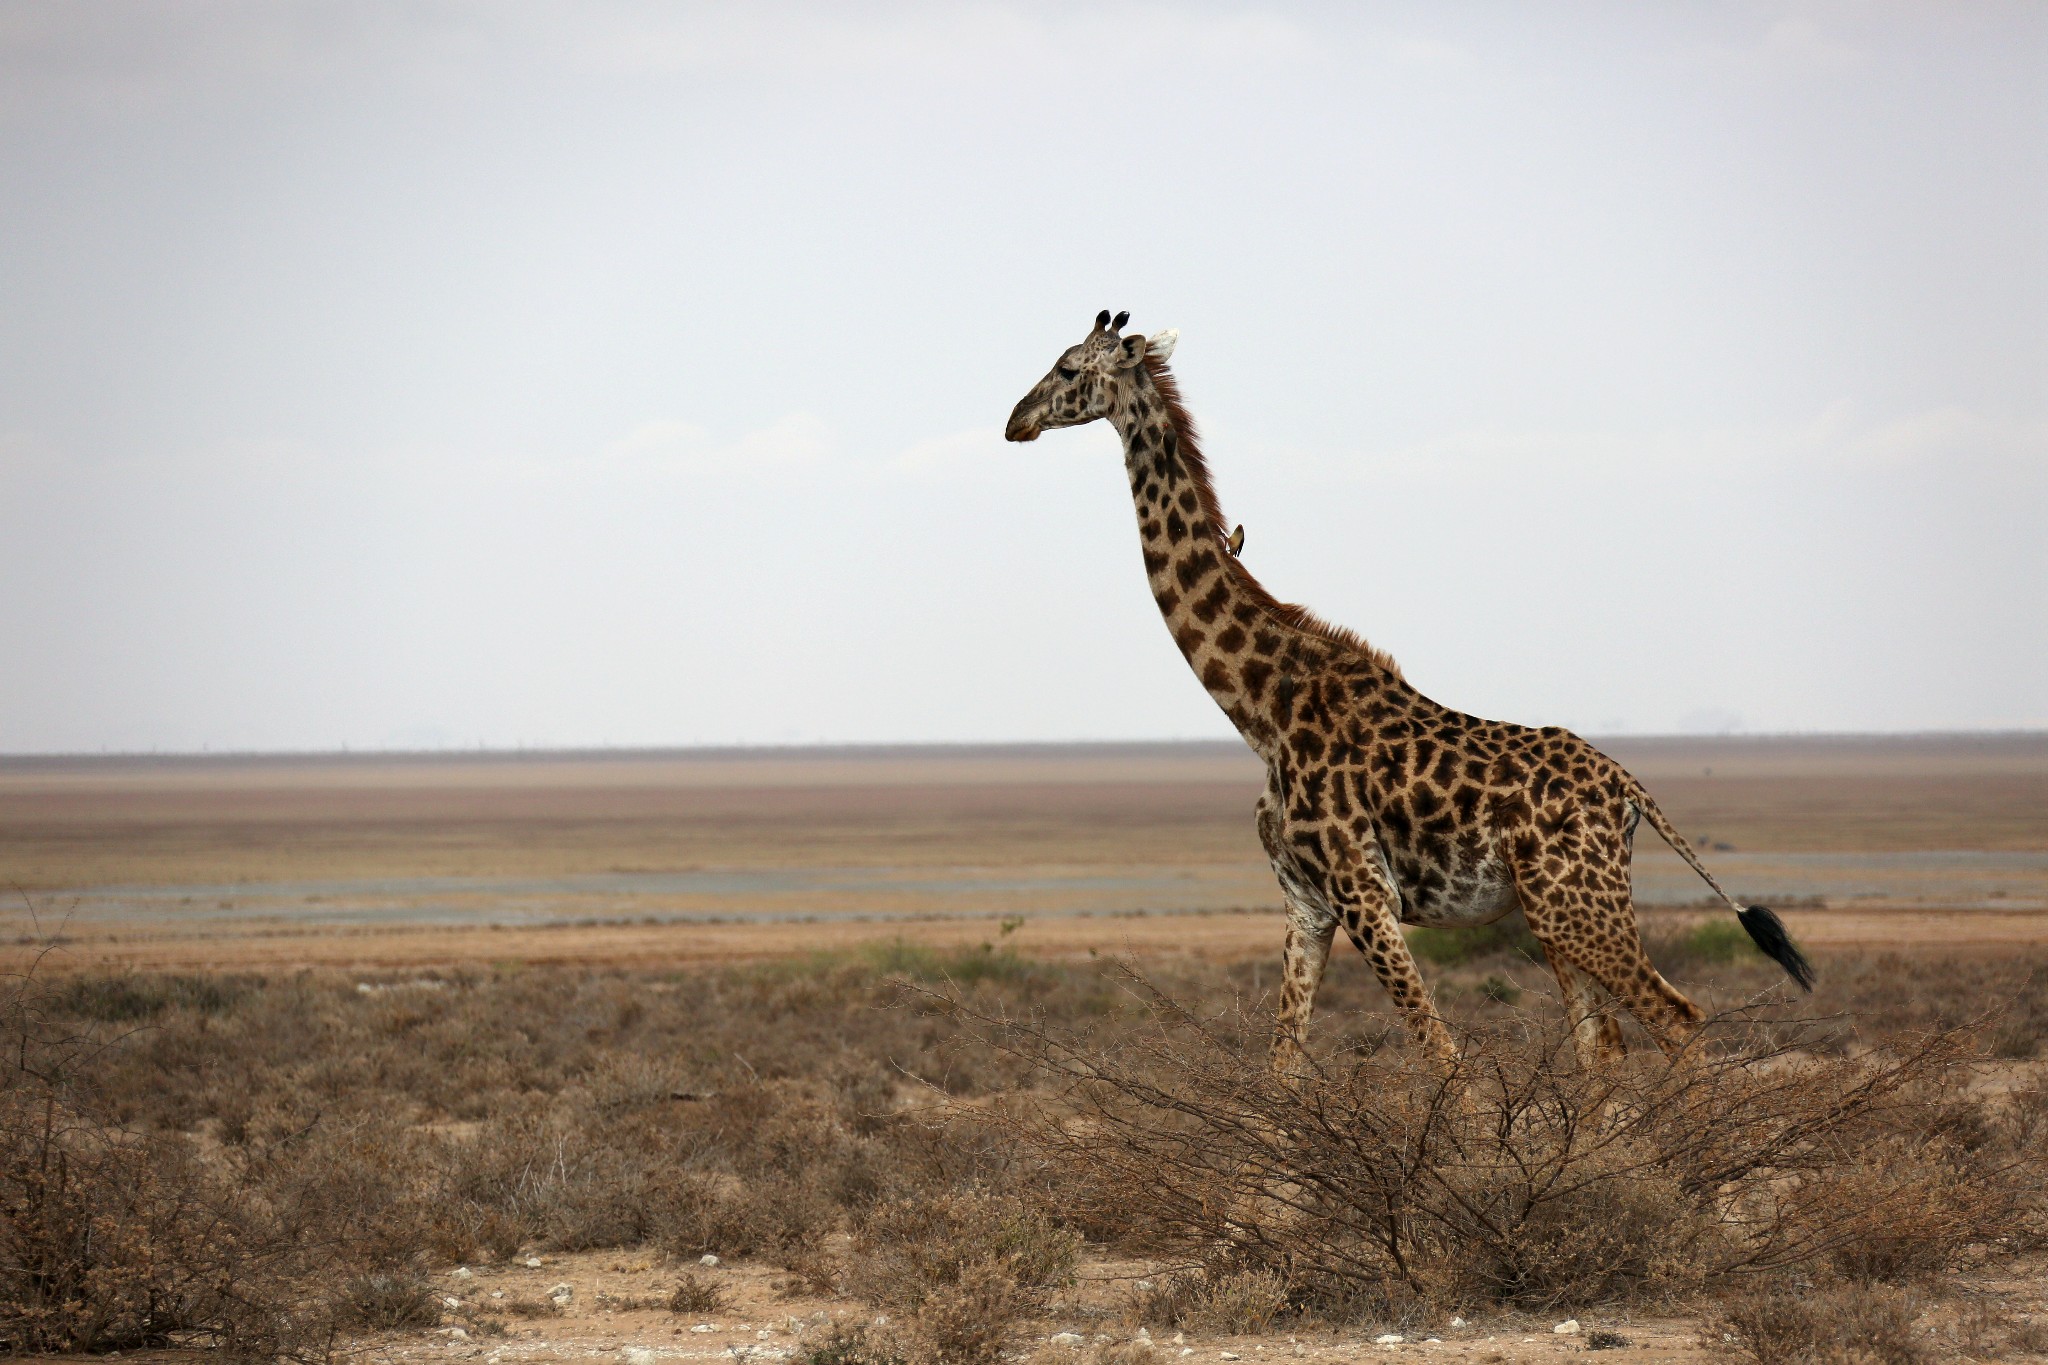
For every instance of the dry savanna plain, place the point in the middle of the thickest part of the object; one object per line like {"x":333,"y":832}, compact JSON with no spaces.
{"x":845,"y":1057}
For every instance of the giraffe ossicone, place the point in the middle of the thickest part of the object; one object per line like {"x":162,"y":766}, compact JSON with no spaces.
{"x":1382,"y":807}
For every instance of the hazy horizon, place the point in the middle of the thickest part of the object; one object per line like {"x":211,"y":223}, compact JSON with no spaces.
{"x":630,"y":375}
{"x":891,"y":746}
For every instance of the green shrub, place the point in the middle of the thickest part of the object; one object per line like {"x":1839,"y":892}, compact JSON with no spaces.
{"x":965,"y":966}
{"x":137,"y":999}
{"x":1720,"y":941}
{"x":1455,"y":947}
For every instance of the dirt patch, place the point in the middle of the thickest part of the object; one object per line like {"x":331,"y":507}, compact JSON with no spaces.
{"x":765,"y":1322}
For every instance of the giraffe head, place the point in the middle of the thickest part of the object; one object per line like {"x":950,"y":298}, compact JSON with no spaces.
{"x":1084,"y":382}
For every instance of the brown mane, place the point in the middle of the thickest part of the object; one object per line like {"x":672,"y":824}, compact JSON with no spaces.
{"x":1286,"y":613}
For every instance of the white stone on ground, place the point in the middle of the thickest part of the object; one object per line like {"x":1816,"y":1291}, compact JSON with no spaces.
{"x":1389,"y":1339}
{"x":1065,"y":1338}
{"x":707,"y":1259}
{"x":1567,"y":1327}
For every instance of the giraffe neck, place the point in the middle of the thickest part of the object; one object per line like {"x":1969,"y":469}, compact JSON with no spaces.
{"x":1252,"y":654}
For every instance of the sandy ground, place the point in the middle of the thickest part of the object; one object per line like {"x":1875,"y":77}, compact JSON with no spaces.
{"x":765,"y":1323}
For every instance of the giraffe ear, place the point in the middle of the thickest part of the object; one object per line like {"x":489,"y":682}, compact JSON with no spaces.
{"x":1161,"y":343}
{"x":1130,"y":352}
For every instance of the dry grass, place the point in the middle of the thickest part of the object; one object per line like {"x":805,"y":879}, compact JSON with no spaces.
{"x":1225,"y":1300}
{"x":114,"y":1239}
{"x":389,"y":1300}
{"x":284,"y":1157}
{"x":1853,"y":1324}
{"x":963,"y":1270}
{"x":1379,"y":1183}
{"x":696,"y":1294}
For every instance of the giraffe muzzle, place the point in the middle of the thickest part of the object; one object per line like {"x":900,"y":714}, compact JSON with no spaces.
{"x":1021,"y":428}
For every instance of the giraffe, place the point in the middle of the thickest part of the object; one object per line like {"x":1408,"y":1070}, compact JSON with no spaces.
{"x":1381,"y":807}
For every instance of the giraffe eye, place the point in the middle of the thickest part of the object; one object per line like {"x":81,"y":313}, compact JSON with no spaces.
{"x":1066,"y":373}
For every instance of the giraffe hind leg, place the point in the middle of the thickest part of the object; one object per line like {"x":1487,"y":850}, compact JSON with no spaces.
{"x":1571,"y":869}
{"x":1612,"y":954}
{"x":1596,"y":1033}
{"x":1586,"y":920}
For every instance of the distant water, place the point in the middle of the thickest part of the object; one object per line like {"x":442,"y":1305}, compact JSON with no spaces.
{"x":1959,"y":879}
{"x":739,"y":895}
{"x":2017,"y":881}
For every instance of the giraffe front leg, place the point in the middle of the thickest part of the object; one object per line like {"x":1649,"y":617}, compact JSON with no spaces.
{"x":1368,"y":905}
{"x":1310,"y":930}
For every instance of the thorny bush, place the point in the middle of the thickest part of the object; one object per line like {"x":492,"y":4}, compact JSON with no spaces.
{"x":1516,"y":1176}
{"x":116,"y":1240}
{"x":964,"y":1269}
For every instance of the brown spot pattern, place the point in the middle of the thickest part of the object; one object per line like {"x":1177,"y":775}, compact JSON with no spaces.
{"x":1383,"y":807}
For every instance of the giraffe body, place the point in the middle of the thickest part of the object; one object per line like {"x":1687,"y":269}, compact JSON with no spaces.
{"x":1381,"y":807}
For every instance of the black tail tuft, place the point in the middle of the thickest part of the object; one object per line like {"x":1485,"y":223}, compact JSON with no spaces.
{"x":1769,"y":932}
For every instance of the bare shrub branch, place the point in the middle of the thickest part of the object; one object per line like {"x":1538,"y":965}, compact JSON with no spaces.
{"x":1517,"y":1176}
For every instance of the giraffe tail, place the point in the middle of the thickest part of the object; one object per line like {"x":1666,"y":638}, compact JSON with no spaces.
{"x":1765,"y":929}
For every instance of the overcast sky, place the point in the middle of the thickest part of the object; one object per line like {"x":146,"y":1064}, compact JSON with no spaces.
{"x":407,"y":375}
